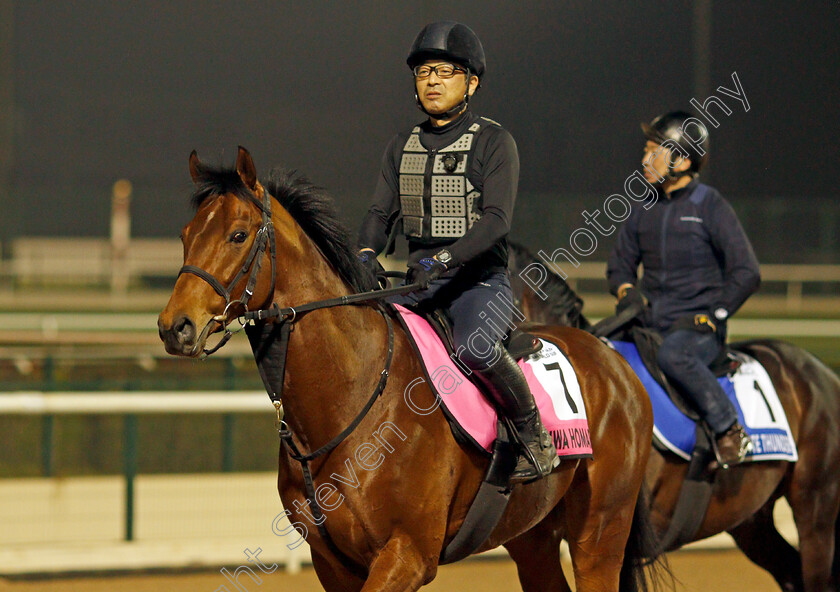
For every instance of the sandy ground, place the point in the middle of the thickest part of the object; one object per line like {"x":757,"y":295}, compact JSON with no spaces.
{"x":696,"y":571}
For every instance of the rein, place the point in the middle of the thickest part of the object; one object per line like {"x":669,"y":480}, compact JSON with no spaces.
{"x":270,"y":351}
{"x":270,"y":354}
{"x":275,"y":392}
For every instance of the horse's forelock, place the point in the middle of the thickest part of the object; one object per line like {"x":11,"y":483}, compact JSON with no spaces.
{"x":212,"y":181}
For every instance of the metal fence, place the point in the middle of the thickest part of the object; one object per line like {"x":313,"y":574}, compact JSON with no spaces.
{"x":136,"y":521}
{"x":48,"y":261}
{"x":84,"y":523}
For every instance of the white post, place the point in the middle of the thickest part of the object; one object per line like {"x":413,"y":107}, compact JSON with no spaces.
{"x":120,"y":236}
{"x":794,"y":296}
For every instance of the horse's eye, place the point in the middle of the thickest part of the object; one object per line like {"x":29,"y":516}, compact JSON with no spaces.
{"x":239,"y":236}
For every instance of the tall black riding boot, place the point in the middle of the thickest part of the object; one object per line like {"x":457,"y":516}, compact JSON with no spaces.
{"x":514,"y":399}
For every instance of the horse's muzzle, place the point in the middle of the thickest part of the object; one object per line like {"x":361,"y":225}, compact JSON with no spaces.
{"x":179,"y":337}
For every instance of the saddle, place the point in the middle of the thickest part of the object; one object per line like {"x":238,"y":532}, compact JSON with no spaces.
{"x":517,"y":342}
{"x":494,"y":492}
{"x":648,"y":343}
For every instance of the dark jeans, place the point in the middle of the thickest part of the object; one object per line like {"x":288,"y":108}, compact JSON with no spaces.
{"x":476,"y":323}
{"x":684,"y":357}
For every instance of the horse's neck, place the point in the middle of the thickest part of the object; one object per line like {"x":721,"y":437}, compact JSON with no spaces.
{"x":335,"y":355}
{"x":563,"y":307}
{"x":333,"y":365}
{"x":560,"y":307}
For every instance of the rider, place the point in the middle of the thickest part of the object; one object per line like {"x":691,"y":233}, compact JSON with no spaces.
{"x":450,"y":184}
{"x":699,"y":268}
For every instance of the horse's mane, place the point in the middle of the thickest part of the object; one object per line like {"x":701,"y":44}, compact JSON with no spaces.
{"x":308,"y":204}
{"x":561,"y":300}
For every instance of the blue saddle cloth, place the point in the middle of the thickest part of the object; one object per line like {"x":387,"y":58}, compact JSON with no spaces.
{"x":765,"y":421}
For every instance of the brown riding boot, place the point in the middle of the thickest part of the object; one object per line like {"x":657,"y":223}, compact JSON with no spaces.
{"x":732,"y":446}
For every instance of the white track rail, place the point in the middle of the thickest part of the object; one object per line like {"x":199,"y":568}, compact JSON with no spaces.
{"x":50,"y":525}
{"x":118,"y":402}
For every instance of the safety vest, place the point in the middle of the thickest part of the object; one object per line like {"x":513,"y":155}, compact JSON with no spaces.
{"x":437,"y":200}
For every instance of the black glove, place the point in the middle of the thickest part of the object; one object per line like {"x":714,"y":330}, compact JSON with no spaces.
{"x":368,"y":260}
{"x":632,"y":296}
{"x":425,"y":271}
{"x":702,"y":323}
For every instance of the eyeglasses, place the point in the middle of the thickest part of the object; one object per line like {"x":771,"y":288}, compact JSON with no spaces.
{"x":443,"y":71}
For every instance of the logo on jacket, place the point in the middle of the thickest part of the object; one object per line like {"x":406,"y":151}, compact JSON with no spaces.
{"x":450,"y":163}
{"x":691,"y":219}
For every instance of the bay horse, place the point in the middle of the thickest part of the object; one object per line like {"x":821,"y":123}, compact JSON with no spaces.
{"x":743,"y":497}
{"x":391,"y":521}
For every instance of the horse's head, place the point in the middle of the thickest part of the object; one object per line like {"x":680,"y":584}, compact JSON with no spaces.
{"x":228,"y":256}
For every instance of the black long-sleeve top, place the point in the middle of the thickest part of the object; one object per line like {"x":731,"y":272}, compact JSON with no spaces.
{"x":494,"y":171}
{"x":695,"y":254}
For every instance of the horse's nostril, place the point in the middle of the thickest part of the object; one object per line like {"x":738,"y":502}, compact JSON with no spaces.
{"x":185,"y":330}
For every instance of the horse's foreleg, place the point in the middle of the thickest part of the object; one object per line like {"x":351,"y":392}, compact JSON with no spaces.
{"x":758,"y":538}
{"x":537,"y":557}
{"x":333,"y":576}
{"x":400,"y":567}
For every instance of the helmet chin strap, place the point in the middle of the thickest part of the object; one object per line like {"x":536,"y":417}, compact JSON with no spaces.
{"x":456,"y":110}
{"x":673,"y":176}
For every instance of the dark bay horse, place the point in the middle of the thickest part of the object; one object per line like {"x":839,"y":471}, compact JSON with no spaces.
{"x":743,"y":497}
{"x":396,"y":491}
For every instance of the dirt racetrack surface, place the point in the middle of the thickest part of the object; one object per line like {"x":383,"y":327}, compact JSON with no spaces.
{"x":696,"y":571}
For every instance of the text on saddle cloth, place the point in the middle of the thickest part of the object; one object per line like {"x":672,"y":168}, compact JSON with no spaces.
{"x":750,"y":389}
{"x":549,"y":373}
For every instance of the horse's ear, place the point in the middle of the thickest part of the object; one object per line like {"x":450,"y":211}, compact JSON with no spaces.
{"x":246,"y":169}
{"x":194,"y":164}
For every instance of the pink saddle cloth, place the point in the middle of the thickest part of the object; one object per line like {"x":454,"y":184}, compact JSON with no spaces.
{"x":549,"y":373}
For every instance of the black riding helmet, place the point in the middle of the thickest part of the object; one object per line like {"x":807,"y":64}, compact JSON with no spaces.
{"x":448,"y":40}
{"x":692,"y":137}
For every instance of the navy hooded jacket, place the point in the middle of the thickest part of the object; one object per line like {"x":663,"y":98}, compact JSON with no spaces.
{"x":695,"y":254}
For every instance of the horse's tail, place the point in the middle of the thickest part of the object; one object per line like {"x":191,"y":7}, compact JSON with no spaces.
{"x":644,"y":568}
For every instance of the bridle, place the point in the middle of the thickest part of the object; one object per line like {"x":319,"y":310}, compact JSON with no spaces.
{"x":264,"y":241}
{"x":270,"y":351}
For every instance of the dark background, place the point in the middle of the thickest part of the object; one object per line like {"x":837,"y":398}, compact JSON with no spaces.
{"x":98,"y":90}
